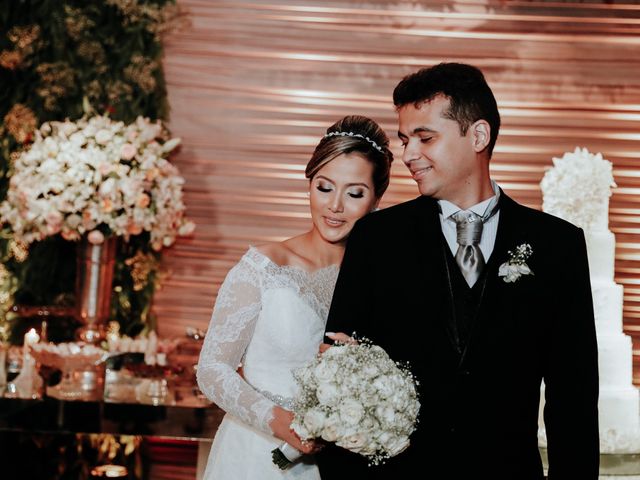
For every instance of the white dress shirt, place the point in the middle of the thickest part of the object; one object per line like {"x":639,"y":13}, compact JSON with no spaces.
{"x":489,"y":229}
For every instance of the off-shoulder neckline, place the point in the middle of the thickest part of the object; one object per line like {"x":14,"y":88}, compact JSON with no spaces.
{"x":292,"y":267}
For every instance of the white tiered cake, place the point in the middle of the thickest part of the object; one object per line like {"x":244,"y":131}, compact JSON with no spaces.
{"x":577,"y":189}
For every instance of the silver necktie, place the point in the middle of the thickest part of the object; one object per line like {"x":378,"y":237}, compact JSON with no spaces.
{"x":469,"y":256}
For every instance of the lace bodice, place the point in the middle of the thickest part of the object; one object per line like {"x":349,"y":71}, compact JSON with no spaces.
{"x":271,"y":319}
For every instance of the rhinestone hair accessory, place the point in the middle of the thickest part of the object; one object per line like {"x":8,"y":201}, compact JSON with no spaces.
{"x":351,"y":134}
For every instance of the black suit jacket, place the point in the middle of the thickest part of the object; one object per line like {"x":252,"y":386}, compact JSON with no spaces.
{"x":479,"y":407}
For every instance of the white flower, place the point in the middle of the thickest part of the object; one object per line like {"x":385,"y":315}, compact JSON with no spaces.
{"x":108,"y":187}
{"x":325,"y":372}
{"x":511,"y":273}
{"x":516,"y":266}
{"x":354,"y":442}
{"x":577,"y":188}
{"x":75,"y":177}
{"x":384,"y":385}
{"x":351,"y":411}
{"x":367,"y":403}
{"x":314,"y":421}
{"x":397,"y":445}
{"x":386,"y":413}
{"x":103,"y":137}
{"x":327,"y":393}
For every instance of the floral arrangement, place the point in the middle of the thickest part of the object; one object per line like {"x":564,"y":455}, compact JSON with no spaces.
{"x":357,"y":397}
{"x":577,"y":186}
{"x":516,"y":266}
{"x":97,"y":177}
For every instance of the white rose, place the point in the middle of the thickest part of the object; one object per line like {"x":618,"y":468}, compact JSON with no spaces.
{"x":108,"y":187}
{"x":386,"y":414}
{"x":103,"y":136}
{"x":396,"y":445}
{"x":327,"y":393}
{"x":325,"y":371}
{"x":354,"y":442}
{"x":332,"y":429}
{"x":351,"y":411}
{"x":78,"y":139}
{"x":314,"y":421}
{"x":399,"y":400}
{"x":50,"y":165}
{"x":67,"y":128}
{"x":371,"y":371}
{"x":384,"y":386}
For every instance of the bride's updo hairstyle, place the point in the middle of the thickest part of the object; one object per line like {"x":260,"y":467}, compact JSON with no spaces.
{"x":355,"y":134}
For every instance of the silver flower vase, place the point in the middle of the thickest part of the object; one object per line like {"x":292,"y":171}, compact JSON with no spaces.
{"x":94,"y":278}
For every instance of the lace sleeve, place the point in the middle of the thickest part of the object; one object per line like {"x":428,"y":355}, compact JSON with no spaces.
{"x":230,"y":331}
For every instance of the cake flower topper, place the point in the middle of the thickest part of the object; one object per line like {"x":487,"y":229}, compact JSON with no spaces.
{"x":516,"y":266}
{"x":573,"y":189}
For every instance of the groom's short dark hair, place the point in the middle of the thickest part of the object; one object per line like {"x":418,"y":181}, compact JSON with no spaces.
{"x":470,"y":97}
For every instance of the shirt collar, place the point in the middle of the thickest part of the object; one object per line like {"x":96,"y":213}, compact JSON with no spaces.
{"x":448,"y":208}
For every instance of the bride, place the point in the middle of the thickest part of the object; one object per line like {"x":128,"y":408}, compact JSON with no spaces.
{"x":272,"y":308}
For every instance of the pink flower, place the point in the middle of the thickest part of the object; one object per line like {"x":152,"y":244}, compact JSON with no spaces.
{"x":128,"y":151}
{"x":105,"y":168}
{"x":143,"y":201}
{"x":95,"y":237}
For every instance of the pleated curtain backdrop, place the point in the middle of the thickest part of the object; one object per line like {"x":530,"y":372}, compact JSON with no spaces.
{"x":254,"y":85}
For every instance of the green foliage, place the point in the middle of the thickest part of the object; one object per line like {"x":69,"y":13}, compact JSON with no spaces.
{"x":54,"y":54}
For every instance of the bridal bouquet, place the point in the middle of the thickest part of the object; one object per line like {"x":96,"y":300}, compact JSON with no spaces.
{"x":99,"y":177}
{"x":358,"y":398}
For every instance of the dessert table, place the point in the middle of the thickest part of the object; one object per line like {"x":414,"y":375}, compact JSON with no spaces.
{"x":129,"y":401}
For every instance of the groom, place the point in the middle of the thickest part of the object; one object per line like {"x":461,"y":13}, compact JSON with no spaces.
{"x":423,"y":279}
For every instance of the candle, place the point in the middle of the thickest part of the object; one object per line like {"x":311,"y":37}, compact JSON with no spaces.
{"x":30,"y":338}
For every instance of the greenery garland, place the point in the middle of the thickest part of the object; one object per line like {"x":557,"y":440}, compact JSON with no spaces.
{"x":53,"y":55}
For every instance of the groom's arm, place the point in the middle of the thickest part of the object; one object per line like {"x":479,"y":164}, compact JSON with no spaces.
{"x":351,"y":304}
{"x":571,"y":372}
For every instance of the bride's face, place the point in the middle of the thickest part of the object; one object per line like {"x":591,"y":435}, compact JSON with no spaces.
{"x":340,"y":193}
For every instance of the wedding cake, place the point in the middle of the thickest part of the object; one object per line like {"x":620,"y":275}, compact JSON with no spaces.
{"x":577,"y":189}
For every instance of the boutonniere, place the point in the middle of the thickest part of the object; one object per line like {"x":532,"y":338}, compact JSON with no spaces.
{"x":516,"y":266}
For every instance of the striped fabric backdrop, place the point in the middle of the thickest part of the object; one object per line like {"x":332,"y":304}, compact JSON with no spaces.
{"x":253,"y":86}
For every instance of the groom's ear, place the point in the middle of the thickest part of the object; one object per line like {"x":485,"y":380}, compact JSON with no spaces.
{"x":481,"y":135}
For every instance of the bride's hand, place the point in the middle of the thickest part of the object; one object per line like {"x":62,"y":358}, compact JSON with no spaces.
{"x":337,"y":337}
{"x":281,"y":428}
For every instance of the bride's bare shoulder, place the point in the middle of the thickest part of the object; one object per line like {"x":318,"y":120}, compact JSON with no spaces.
{"x":277,"y":252}
{"x":284,"y":253}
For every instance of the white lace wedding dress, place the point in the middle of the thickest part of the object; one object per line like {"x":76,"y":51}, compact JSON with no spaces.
{"x":271,"y":319}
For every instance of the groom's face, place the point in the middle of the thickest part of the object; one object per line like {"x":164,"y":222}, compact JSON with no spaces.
{"x":441,"y":160}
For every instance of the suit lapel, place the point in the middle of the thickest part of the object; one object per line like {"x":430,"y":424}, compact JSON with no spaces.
{"x":432,"y":263}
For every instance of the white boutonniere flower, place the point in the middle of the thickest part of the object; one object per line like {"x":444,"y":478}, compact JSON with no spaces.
{"x":516,"y":266}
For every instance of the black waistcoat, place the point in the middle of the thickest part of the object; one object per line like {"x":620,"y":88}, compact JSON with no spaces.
{"x":465,"y":300}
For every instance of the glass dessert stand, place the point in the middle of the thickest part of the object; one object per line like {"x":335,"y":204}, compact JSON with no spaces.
{"x":82,"y":367}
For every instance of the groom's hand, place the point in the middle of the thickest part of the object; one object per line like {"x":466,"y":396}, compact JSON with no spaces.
{"x":336,"y":337}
